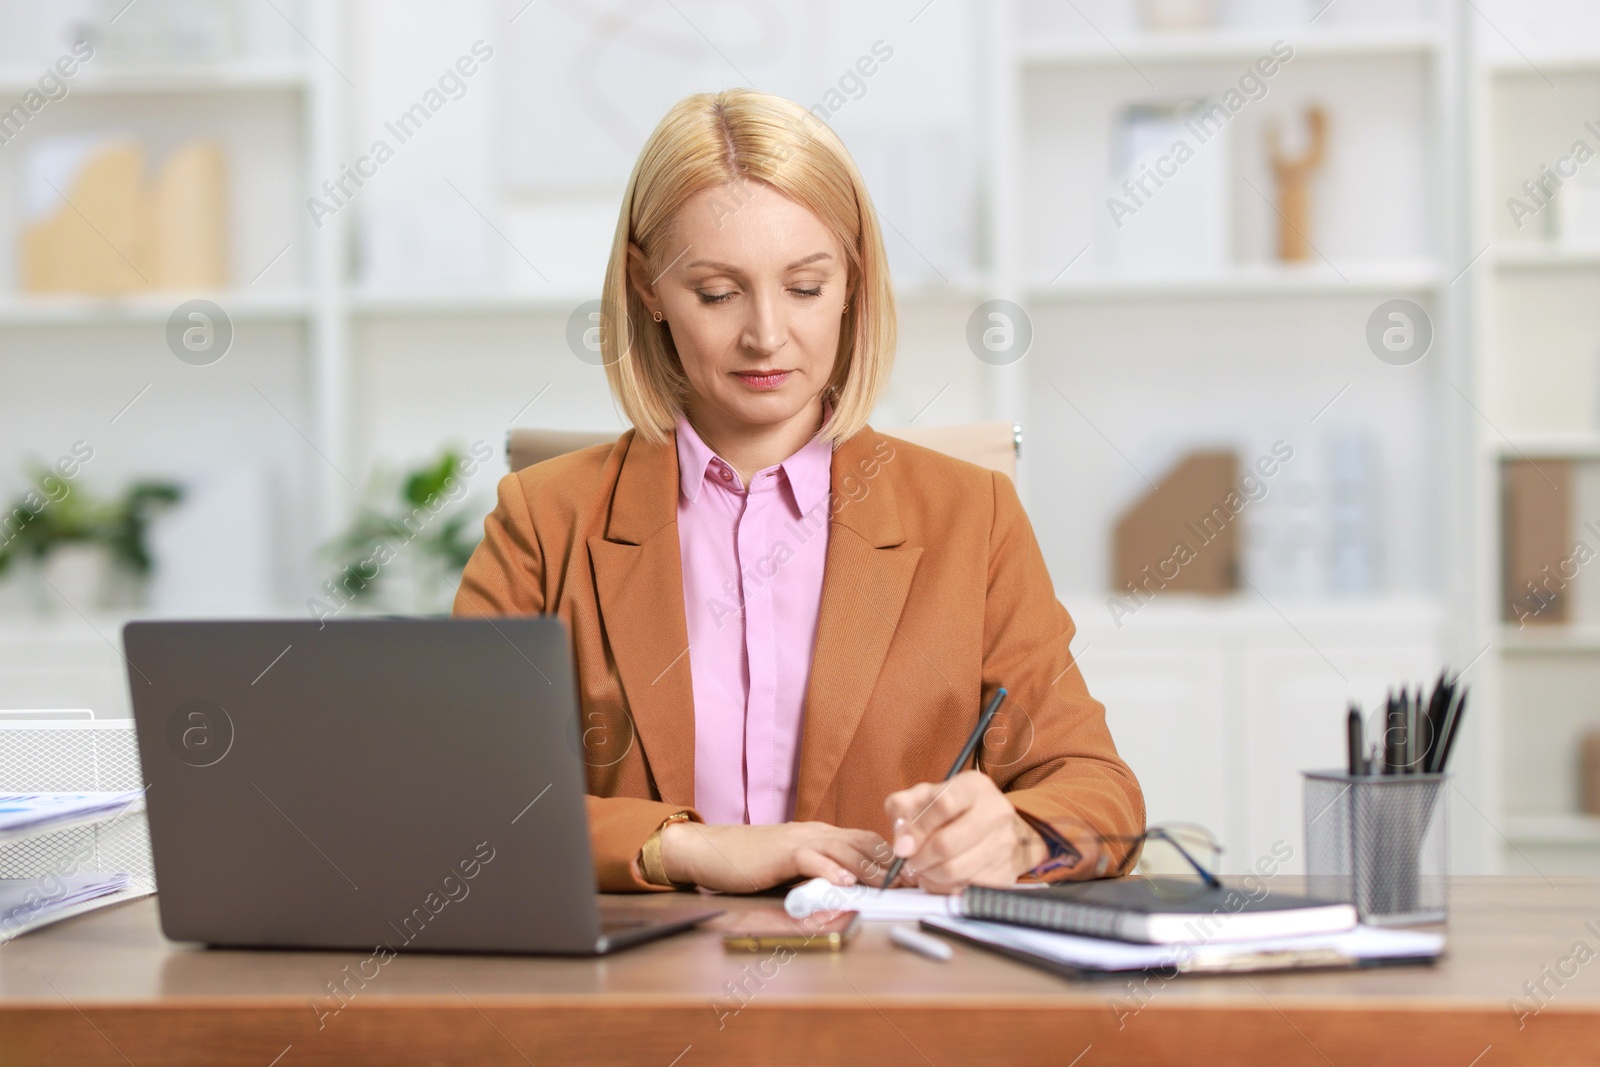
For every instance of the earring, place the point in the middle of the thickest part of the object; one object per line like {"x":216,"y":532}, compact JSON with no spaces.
{"x":657,"y":316}
{"x":844,"y":309}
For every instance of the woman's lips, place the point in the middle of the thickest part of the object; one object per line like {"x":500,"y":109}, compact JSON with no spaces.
{"x":763,"y":380}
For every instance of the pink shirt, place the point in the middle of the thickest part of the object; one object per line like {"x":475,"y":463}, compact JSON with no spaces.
{"x":752,"y":588}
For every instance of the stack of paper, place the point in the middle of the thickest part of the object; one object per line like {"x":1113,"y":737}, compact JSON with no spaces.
{"x":23,"y":814}
{"x":1072,"y":954}
{"x":26,"y":903}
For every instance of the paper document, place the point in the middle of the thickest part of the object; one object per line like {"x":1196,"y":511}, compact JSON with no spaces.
{"x":1095,"y":953}
{"x":25,"y":813}
{"x":889,"y":905}
{"x":26,"y":903}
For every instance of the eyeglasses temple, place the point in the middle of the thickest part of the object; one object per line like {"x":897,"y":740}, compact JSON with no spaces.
{"x":1210,"y":879}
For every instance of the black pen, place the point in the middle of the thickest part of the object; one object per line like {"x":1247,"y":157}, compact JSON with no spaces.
{"x":1454,"y":729}
{"x":955,"y":768}
{"x":1437,"y":702}
{"x":1357,"y":759}
{"x":1394,"y":736}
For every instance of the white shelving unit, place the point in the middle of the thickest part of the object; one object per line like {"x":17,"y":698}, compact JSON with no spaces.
{"x":1263,"y":282}
{"x":1228,"y":45}
{"x":1530,"y":326}
{"x":71,"y":311}
{"x":1143,"y":365}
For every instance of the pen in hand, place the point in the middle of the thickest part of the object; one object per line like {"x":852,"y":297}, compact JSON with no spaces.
{"x":967,"y":750}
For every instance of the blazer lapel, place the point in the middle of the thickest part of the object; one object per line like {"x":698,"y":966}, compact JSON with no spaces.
{"x":865,"y":582}
{"x":638,"y":577}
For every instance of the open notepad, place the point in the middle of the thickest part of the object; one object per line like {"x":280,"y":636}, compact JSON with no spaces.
{"x":1074,"y":955}
{"x":873,"y":904}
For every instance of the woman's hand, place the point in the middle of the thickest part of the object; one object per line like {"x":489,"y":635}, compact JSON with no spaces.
{"x":962,"y":832}
{"x":746,"y":859}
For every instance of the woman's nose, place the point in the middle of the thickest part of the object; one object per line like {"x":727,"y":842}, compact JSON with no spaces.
{"x":766,"y":329}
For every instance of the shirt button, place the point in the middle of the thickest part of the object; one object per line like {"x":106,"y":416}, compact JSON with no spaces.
{"x":727,"y":475}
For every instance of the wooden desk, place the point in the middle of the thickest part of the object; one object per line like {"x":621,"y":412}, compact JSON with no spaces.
{"x":107,"y":989}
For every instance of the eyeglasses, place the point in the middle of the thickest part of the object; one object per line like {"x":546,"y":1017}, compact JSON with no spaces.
{"x":1178,"y":859}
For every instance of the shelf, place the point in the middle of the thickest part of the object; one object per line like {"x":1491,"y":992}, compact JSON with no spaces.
{"x":1551,"y":638}
{"x":449,"y":305}
{"x":1545,"y":255}
{"x":1215,"y":46}
{"x":75,"y":310}
{"x":94,"y":80}
{"x":377,"y":303}
{"x":1561,"y":829}
{"x":1535,"y":66}
{"x":1249,"y":281}
{"x":1554,"y":446}
{"x":1190,"y":613}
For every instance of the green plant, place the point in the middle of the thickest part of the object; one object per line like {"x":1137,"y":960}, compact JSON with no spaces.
{"x":36,"y":523}
{"x":422,"y":516}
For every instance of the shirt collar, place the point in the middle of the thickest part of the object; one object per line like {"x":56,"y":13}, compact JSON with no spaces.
{"x":809,"y":471}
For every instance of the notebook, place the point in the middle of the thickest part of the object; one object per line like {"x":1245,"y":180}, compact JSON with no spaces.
{"x":874,"y":904}
{"x":1152,"y":911}
{"x":1074,"y":957}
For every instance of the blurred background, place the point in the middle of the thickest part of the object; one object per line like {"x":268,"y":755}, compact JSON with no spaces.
{"x":278,"y":276}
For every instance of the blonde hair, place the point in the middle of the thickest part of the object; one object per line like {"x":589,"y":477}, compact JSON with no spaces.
{"x":709,"y":140}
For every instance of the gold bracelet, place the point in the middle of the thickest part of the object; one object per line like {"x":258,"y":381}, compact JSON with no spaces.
{"x":655,"y":871}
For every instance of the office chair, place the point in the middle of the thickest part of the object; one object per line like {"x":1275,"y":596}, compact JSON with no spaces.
{"x":995,"y":445}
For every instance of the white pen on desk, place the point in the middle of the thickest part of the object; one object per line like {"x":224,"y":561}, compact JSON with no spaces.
{"x":909,"y":937}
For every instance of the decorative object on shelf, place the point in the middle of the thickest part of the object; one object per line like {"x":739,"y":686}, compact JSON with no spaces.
{"x":1536,"y":517}
{"x":70,"y":182}
{"x":163,"y":31}
{"x":1169,"y":204}
{"x":1277,"y":14}
{"x":93,"y":553}
{"x":189,"y":219}
{"x":1293,"y":175}
{"x":105,"y":229}
{"x":1168,"y":16}
{"x":1578,"y":212}
{"x":1182,"y":536}
{"x":1351,"y":566}
{"x":423,"y":526}
{"x":1591,"y":773}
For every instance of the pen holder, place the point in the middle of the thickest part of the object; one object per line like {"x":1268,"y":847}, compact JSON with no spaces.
{"x":1380,"y":842}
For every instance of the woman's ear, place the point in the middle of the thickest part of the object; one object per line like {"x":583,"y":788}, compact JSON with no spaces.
{"x":639,"y":278}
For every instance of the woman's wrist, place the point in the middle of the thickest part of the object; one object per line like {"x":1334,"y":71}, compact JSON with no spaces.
{"x":677,"y":847}
{"x":1032,"y":849}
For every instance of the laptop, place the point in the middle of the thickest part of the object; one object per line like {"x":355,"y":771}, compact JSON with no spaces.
{"x":415,"y":784}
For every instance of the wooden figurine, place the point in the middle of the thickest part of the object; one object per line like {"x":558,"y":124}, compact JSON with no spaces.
{"x":1294,"y":185}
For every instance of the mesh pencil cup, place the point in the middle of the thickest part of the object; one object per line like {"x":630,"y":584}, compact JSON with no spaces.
{"x":1381,"y":842}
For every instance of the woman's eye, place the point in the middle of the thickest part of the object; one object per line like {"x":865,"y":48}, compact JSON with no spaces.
{"x":808,"y":292}
{"x":713,"y":298}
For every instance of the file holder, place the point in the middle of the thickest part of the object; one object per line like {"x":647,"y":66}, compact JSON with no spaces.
{"x":65,"y":752}
{"x":1380,"y":842}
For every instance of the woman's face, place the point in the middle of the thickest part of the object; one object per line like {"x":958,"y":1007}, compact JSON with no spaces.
{"x":753,"y":292}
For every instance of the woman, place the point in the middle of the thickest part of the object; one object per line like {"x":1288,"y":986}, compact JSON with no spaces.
{"x":785,"y":623}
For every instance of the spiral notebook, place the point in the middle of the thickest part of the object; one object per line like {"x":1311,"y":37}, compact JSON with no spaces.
{"x":1153,"y":911}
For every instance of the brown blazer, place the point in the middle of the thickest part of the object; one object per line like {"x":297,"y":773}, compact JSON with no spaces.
{"x":934,"y":593}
